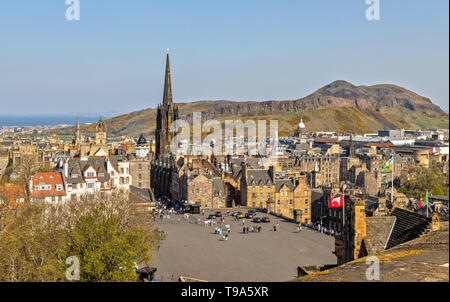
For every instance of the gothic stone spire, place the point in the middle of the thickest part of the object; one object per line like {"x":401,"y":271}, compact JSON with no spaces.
{"x":167,"y":98}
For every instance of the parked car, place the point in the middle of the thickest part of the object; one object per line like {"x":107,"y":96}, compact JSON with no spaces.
{"x":252,"y":212}
{"x":265,"y":219}
{"x":212,"y":216}
{"x":240,"y":216}
{"x":248,"y":215}
{"x":257,"y":219}
{"x":218,"y":214}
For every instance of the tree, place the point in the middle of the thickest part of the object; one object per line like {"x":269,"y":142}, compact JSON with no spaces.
{"x":436,"y":190}
{"x":106,"y":251}
{"x":419,"y":180}
{"x":29,"y":242}
{"x":106,"y":233}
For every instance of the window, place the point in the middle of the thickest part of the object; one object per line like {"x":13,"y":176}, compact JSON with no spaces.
{"x":58,"y":187}
{"x":253,"y":204}
{"x":140,"y":176}
{"x":140,"y":166}
{"x":140,"y":185}
{"x":261,"y":195}
{"x":278,"y":202}
{"x":36,"y":188}
{"x":90,"y":185}
{"x":253,"y":195}
{"x":306,"y":193}
{"x":268,"y":195}
{"x":290,"y":202}
{"x":90,"y":174}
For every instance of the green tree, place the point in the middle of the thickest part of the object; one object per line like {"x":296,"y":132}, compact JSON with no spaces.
{"x":29,"y":240}
{"x":419,"y":180}
{"x":106,"y":251}
{"x":436,"y":190}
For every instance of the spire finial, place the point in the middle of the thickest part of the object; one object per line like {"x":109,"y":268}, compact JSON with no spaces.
{"x":167,"y":50}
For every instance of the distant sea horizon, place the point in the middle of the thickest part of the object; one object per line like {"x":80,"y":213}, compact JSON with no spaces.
{"x":47,"y":119}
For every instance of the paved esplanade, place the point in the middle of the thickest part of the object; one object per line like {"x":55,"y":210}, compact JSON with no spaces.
{"x":191,"y":250}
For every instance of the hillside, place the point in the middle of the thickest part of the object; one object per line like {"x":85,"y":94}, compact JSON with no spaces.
{"x":339,"y":106}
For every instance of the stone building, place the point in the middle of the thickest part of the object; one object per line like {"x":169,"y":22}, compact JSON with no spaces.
{"x":140,"y":164}
{"x":267,"y":190}
{"x":167,"y":113}
{"x":323,"y":170}
{"x":85,"y":146}
{"x":206,"y":191}
{"x":140,"y":172}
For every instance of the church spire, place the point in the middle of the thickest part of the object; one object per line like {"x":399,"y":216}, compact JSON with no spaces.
{"x":167,"y":98}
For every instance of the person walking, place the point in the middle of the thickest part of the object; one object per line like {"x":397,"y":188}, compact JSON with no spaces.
{"x":274,"y":228}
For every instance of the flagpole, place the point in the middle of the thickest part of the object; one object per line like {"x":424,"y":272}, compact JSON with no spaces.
{"x":392,"y":181}
{"x":427,"y":203}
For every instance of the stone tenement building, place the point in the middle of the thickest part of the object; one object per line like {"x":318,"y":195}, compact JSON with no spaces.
{"x":206,"y":191}
{"x":140,"y":164}
{"x":185,"y":170}
{"x":323,"y":170}
{"x":287,"y":197}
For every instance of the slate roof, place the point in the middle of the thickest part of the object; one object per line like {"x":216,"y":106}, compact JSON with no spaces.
{"x":258,"y":176}
{"x":78,"y":166}
{"x":378,"y":231}
{"x":279,"y":183}
{"x":218,"y":186}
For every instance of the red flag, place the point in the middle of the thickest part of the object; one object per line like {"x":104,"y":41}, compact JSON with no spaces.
{"x":336,"y":202}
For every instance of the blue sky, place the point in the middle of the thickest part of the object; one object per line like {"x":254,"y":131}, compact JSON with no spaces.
{"x":112,"y":60}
